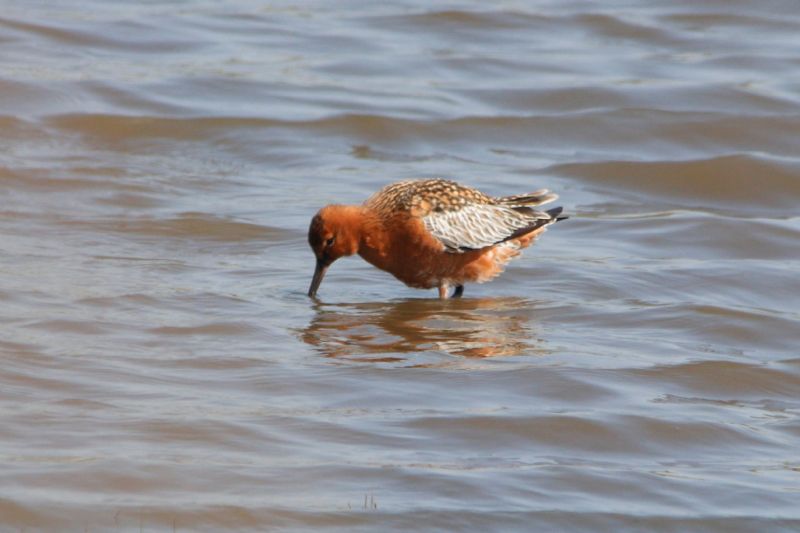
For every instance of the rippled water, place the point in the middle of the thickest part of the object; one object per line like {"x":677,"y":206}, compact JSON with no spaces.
{"x":163,"y":370}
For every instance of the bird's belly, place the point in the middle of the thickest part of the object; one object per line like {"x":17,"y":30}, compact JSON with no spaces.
{"x":427,"y":268}
{"x":415,"y":269}
{"x":407,"y":251}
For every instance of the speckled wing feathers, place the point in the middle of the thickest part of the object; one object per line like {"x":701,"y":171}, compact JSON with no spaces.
{"x":476,"y":226}
{"x":421,"y":197}
{"x":462,"y":218}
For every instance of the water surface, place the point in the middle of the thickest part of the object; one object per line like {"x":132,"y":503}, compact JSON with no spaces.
{"x":163,"y":370}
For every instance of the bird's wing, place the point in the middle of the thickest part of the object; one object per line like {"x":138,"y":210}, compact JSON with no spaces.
{"x":476,"y":225}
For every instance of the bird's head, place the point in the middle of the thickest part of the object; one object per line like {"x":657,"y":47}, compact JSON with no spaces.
{"x":333,"y":233}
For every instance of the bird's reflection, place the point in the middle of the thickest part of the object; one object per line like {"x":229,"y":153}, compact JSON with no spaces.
{"x":391,"y":331}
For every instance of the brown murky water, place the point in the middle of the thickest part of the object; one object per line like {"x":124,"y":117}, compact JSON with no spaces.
{"x":162,"y":369}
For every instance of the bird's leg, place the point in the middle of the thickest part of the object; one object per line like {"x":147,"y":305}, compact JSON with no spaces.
{"x":443,"y":288}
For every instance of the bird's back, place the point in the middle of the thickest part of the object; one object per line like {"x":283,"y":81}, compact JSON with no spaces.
{"x":420,"y":198}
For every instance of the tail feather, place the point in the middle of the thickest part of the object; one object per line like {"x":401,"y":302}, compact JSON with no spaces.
{"x":539,"y":220}
{"x":542,"y":196}
{"x":556,"y":215}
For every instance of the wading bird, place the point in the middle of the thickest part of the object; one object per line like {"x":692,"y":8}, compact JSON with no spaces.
{"x":431,"y":233}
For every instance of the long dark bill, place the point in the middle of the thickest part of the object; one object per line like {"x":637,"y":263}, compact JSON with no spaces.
{"x":319,"y":273}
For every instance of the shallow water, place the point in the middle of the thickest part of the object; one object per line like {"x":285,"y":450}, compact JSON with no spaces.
{"x":163,"y":370}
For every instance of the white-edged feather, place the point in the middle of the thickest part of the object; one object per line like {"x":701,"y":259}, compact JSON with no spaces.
{"x":476,"y":226}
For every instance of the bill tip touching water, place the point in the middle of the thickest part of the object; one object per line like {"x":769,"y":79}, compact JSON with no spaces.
{"x":431,"y":233}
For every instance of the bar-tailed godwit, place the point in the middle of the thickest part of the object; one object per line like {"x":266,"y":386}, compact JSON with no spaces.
{"x":431,"y":233}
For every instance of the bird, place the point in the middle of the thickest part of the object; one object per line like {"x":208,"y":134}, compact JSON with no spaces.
{"x":431,"y":233}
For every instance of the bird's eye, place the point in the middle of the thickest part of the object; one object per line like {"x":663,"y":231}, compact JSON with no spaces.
{"x":330,"y":242}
